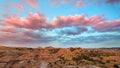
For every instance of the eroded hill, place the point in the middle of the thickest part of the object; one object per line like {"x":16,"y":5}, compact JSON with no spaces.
{"x":49,"y":57}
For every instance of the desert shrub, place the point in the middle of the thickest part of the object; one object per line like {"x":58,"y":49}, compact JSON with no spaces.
{"x":19,"y":54}
{"x":62,"y":59}
{"x":31,"y":49}
{"x":101,"y":62}
{"x":72,"y":49}
{"x":70,"y":63}
{"x":50,"y":65}
{"x":2,"y":54}
{"x":76,"y":58}
{"x":114,"y":60}
{"x":115,"y":66}
{"x":19,"y":49}
{"x":36,"y":57}
{"x":55,"y":62}
{"x":22,"y":67}
{"x":101,"y":57}
{"x":53,"y":51}
{"x":82,"y":56}
{"x":108,"y":61}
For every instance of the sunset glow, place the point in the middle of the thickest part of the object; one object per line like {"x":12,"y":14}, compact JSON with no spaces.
{"x":60,"y":23}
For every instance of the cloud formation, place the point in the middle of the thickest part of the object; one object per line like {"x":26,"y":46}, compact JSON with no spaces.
{"x":37,"y":29}
{"x":77,"y":3}
{"x":33,"y":3}
{"x":18,"y":6}
{"x":38,"y":21}
{"x":97,"y":22}
{"x":33,"y":21}
{"x":76,"y":29}
{"x":8,"y":29}
{"x":113,"y":1}
{"x":81,"y":3}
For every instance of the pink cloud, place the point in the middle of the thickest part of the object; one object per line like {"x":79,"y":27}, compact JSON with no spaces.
{"x":95,"y":19}
{"x":77,"y":20}
{"x":81,"y":3}
{"x":6,"y":35}
{"x":53,"y":2}
{"x":12,"y":31}
{"x":8,"y":29}
{"x":106,"y":25}
{"x":18,"y":6}
{"x":77,"y":3}
{"x":33,"y":21}
{"x":97,"y":22}
{"x":33,"y":3}
{"x":6,"y":15}
{"x":68,"y":20}
{"x":38,"y":21}
{"x":1,"y":20}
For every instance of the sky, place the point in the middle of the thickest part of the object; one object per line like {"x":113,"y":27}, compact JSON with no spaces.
{"x":60,"y":23}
